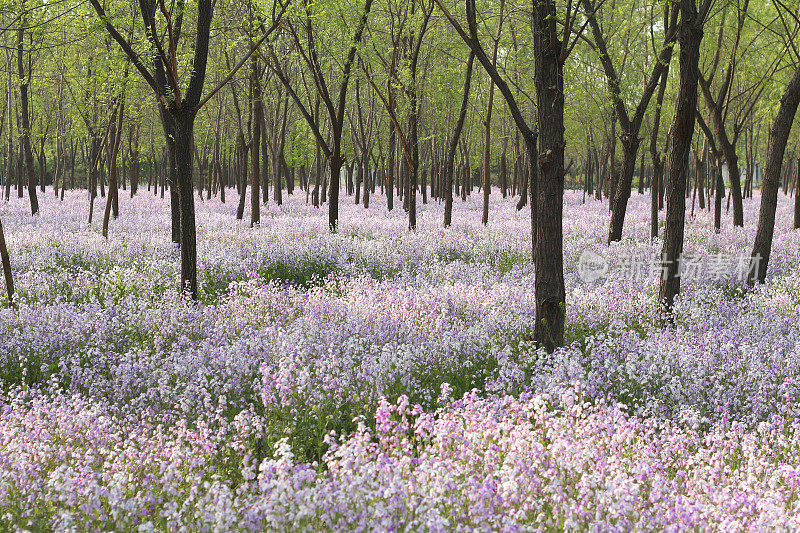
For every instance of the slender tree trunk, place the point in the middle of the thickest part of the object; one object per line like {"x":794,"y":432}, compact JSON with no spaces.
{"x":504,"y":170}
{"x":796,"y":224}
{"x":702,"y":185}
{"x":641,"y":174}
{"x":6,"y":267}
{"x":72,"y":166}
{"x":10,"y":163}
{"x":453,"y":146}
{"x":223,"y":183}
{"x":622,"y":192}
{"x":718,"y":195}
{"x":335,"y":162}
{"x":25,"y":127}
{"x":487,"y":141}
{"x":359,"y":178}
{"x":113,"y":192}
{"x":255,"y":159}
{"x":655,"y":156}
{"x":96,"y":145}
{"x":390,"y":164}
{"x":242,"y":167}
{"x":413,"y":168}
{"x":265,"y":160}
{"x":368,"y":183}
{"x":732,"y":162}
{"x":42,"y":163}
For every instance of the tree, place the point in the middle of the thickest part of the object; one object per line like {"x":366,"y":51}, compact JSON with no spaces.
{"x":487,"y":160}
{"x":690,"y":35}
{"x":306,"y":34}
{"x":258,"y":118}
{"x":629,"y":123}
{"x":451,"y":149}
{"x":657,"y":178}
{"x":25,"y":126}
{"x":776,"y":149}
{"x":6,"y":267}
{"x":178,"y":106}
{"x":551,"y":49}
{"x":718,"y":106}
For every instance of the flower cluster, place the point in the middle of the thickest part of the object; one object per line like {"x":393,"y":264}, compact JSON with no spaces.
{"x":384,"y":379}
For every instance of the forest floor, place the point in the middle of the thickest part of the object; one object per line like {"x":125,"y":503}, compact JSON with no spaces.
{"x":378,"y":379}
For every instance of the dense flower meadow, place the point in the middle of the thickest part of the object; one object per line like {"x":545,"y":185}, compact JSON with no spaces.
{"x":378,"y":379}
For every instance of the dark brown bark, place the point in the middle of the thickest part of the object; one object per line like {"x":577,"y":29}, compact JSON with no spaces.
{"x":453,"y":146}
{"x":133,"y":155}
{"x":702,"y":183}
{"x":10,"y":163}
{"x":796,"y":224}
{"x":25,"y":127}
{"x":255,"y":145}
{"x":177,"y":115}
{"x":629,"y":123}
{"x":719,"y":194}
{"x":334,"y":105}
{"x":178,"y":129}
{"x":718,"y":106}
{"x":681,"y":132}
{"x":413,"y":166}
{"x":776,"y":148}
{"x":113,"y":191}
{"x":548,"y":177}
{"x":641,"y":174}
{"x":4,"y":258}
{"x":487,"y":139}
{"x":658,"y":162}
{"x":243,"y":174}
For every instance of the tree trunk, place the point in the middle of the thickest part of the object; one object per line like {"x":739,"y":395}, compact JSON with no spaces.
{"x":451,"y":150}
{"x":279,"y":172}
{"x":504,"y":170}
{"x":242,"y":168}
{"x":94,"y":156}
{"x":113,"y":192}
{"x":359,"y":179}
{"x":690,"y":37}
{"x":655,"y":186}
{"x":10,"y":163}
{"x":413,"y":168}
{"x":776,"y":148}
{"x":178,"y":128}
{"x":701,"y":164}
{"x":641,"y":175}
{"x":265,"y":160}
{"x":335,"y":163}
{"x":368,"y":183}
{"x":487,"y":142}
{"x":728,"y":149}
{"x":25,"y":127}
{"x":622,"y":188}
{"x":796,"y":224}
{"x":255,"y":145}
{"x":6,"y":267}
{"x":547,"y":179}
{"x":658,"y":165}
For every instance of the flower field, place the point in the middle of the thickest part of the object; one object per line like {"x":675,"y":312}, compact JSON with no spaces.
{"x":378,"y":379}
